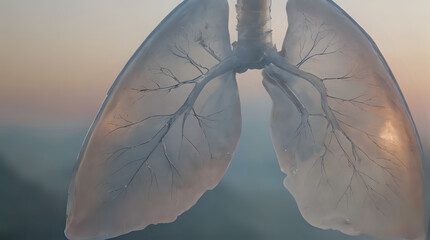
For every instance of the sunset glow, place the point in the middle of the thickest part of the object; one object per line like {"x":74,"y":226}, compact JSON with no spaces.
{"x":389,"y":133}
{"x":71,"y":53}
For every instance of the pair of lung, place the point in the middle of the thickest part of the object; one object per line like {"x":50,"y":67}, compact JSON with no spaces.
{"x":170,"y":124}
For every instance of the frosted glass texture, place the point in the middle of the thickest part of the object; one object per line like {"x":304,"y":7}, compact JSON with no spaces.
{"x":162,"y":137}
{"x":170,"y":124}
{"x":342,"y":131}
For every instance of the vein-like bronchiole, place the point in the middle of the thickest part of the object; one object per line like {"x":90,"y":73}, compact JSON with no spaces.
{"x":166,"y":131}
{"x":171,"y":122}
{"x":341,"y":128}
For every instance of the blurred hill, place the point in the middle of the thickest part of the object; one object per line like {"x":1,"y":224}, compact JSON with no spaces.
{"x":27,"y":211}
{"x":250,"y":202}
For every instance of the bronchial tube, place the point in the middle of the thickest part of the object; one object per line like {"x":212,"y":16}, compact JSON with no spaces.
{"x":254,"y":29}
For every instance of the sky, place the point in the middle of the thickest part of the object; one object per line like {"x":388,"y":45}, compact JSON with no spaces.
{"x":58,"y":58}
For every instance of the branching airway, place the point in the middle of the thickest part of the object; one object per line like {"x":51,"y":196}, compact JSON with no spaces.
{"x":335,"y":126}
{"x":183,"y":112}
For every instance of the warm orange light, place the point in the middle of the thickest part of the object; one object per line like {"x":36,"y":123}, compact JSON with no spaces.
{"x":389,"y":133}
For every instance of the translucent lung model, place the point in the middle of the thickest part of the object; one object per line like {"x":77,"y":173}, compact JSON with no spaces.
{"x":341,"y":129}
{"x":171,"y":122}
{"x":164,"y":134}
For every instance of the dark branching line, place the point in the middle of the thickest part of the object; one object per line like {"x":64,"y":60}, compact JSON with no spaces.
{"x":356,"y":101}
{"x":335,"y":126}
{"x":180,"y":52}
{"x":172,"y":167}
{"x":130,"y":124}
{"x":167,"y":88}
{"x":199,"y":39}
{"x":316,"y":38}
{"x":202,"y":128}
{"x":304,"y":114}
{"x":158,"y":140}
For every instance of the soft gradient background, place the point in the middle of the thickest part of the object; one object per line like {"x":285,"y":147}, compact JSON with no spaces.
{"x":57,"y":61}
